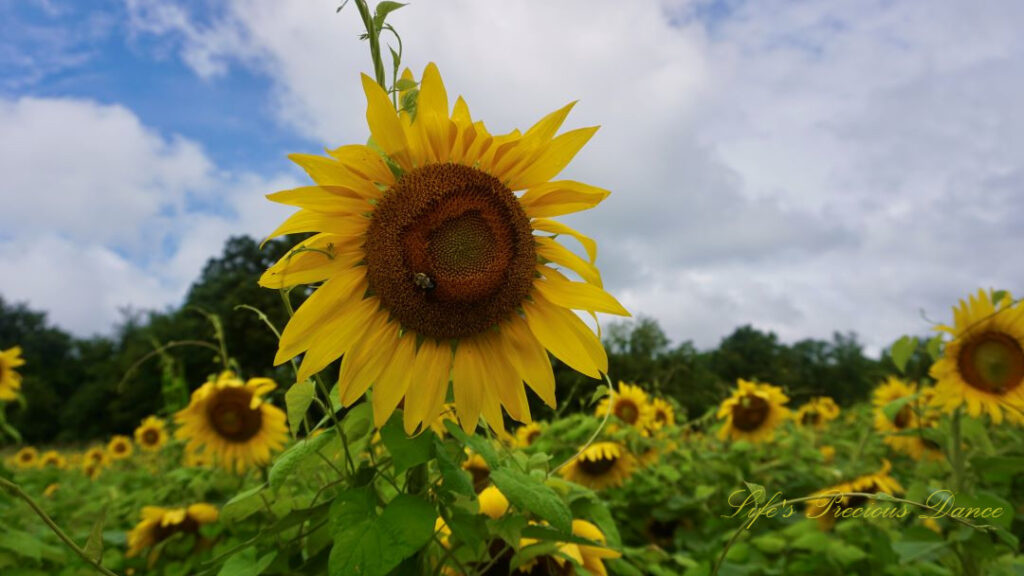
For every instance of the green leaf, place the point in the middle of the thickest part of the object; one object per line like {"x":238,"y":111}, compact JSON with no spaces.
{"x":769,"y":543}
{"x":531,"y":494}
{"x":481,"y":446}
{"x":383,"y":9}
{"x":455,"y":478}
{"x":94,"y":545}
{"x":404,"y":84}
{"x":244,"y":563}
{"x":934,"y":347}
{"x":901,"y":352}
{"x":371,"y":545}
{"x":843,"y":553}
{"x":291,"y":458}
{"x":406,"y":452}
{"x":998,"y":295}
{"x":893,"y":408}
{"x":757,"y":491}
{"x":913,"y":550}
{"x":242,"y":505}
{"x":21,"y":543}
{"x":297,"y":399}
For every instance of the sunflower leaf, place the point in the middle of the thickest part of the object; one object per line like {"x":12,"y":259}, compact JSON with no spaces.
{"x":297,"y":399}
{"x":382,"y":11}
{"x":901,"y":352}
{"x":291,"y":458}
{"x":243,"y":505}
{"x":245,"y":563}
{"x":372,"y":545}
{"x":475,"y":443}
{"x":531,"y":494}
{"x":934,"y":347}
{"x":94,"y":546}
{"x":892,"y":409}
{"x":406,"y":452}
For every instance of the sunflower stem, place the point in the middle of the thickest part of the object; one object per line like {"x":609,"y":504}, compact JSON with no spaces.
{"x":373,"y":36}
{"x":957,"y":452}
{"x":53,"y":526}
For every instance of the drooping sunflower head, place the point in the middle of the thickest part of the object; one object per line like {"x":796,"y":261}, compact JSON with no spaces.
{"x":602,"y":465}
{"x":431,"y":257}
{"x":528,"y":434}
{"x":10,"y":380}
{"x":562,"y":560}
{"x":120,"y":448}
{"x":892,"y":390}
{"x":159,"y":524}
{"x":829,"y":507}
{"x":817,"y":412}
{"x":478,"y":468}
{"x":982,"y":367}
{"x":27,"y":457}
{"x":629,"y":405}
{"x":53,"y":459}
{"x":753,"y":412}
{"x":151,"y":435}
{"x":232,"y":421}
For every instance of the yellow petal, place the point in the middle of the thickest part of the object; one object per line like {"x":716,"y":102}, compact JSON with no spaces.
{"x":560,"y":197}
{"x":339,"y":335}
{"x":361,"y":366}
{"x":393,"y":382}
{"x":469,"y":377}
{"x":528,"y":357}
{"x":330,"y":172}
{"x":566,"y":336}
{"x":364,"y":162}
{"x":432,"y":115}
{"x":431,"y":373}
{"x":385,"y":126}
{"x":323,"y":304}
{"x":310,"y":221}
{"x":314,"y":260}
{"x":327,"y":199}
{"x":505,"y":380}
{"x":576,"y":295}
{"x":556,"y":227}
{"x":556,"y":157}
{"x":551,"y":250}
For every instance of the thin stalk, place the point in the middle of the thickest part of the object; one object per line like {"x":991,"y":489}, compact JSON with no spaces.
{"x":53,"y":526}
{"x":373,"y":36}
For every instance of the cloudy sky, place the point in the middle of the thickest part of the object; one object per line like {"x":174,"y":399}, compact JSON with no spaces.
{"x":804,"y":166}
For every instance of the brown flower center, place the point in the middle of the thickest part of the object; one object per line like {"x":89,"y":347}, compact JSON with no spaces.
{"x":597,"y":467}
{"x":627,"y":411}
{"x":230,"y":415}
{"x":150,"y":437}
{"x":532,"y":437}
{"x":120,"y":448}
{"x":750,"y":413}
{"x":26,"y":457}
{"x":450,"y":251}
{"x":810,"y":418}
{"x":992,"y":362}
{"x":903,"y":417}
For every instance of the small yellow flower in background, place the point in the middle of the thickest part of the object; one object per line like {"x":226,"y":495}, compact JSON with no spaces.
{"x":602,"y":465}
{"x":96,"y":455}
{"x":891,"y":390}
{"x":10,"y":380}
{"x":196,"y":460}
{"x":120,"y":448}
{"x":447,"y":413}
{"x":53,"y":459}
{"x":151,"y":435}
{"x":92,"y":469}
{"x":442,"y":273}
{"x":478,"y":468}
{"x":629,"y":405}
{"x":492,"y":502}
{"x":982,"y":368}
{"x":51,"y":490}
{"x":232,"y":421}
{"x":590,"y":557}
{"x":880,"y":481}
{"x":27,"y":457}
{"x":662,"y":414}
{"x":527,"y":434}
{"x":158,"y":524}
{"x":828,"y":453}
{"x":817,"y":412}
{"x":753,"y":412}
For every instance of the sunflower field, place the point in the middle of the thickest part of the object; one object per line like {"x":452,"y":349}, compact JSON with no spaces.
{"x":441,"y":400}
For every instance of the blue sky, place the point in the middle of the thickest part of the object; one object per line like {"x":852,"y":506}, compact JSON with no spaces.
{"x":803,"y":166}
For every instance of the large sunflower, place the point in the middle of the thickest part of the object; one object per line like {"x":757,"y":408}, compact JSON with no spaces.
{"x":601,"y":465}
{"x":231,"y":420}
{"x":983,"y":366}
{"x":151,"y":435}
{"x":430,"y":266}
{"x":817,"y":412}
{"x":159,"y":524}
{"x":629,"y":404}
{"x":10,"y":380}
{"x":753,"y":412}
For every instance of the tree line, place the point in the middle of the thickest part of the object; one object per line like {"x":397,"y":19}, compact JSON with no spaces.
{"x":77,"y":389}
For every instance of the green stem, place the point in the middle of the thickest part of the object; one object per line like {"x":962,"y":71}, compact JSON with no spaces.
{"x":957,"y":452}
{"x":53,"y":526}
{"x":373,"y":35}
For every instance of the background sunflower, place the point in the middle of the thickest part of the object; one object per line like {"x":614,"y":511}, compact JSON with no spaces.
{"x":753,"y":412}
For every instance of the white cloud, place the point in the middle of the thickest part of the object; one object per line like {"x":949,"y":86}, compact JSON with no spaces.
{"x":92,"y":198}
{"x":809,"y":166}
